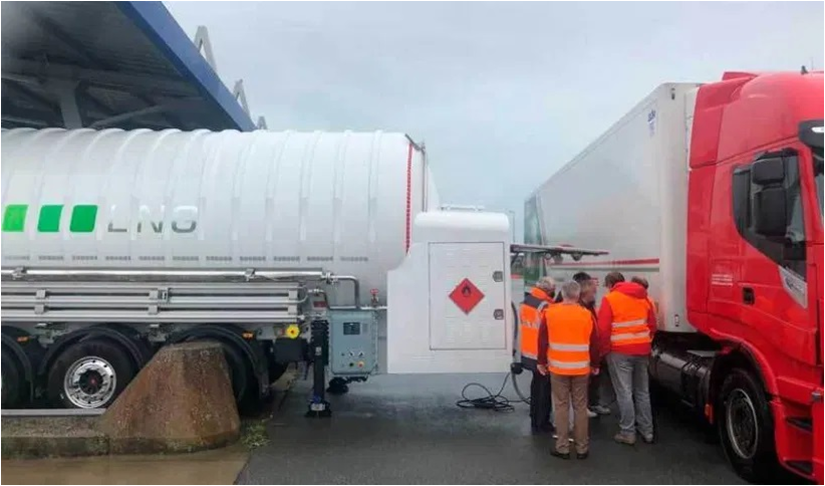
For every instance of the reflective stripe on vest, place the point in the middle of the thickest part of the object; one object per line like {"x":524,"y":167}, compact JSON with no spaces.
{"x":629,"y":319}
{"x":569,"y":347}
{"x":568,"y":337}
{"x":569,"y":365}
{"x":630,"y":336}
{"x":530,"y":320}
{"x":619,"y":325}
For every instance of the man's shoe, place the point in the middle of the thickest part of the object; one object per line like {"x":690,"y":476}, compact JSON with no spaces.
{"x":601,"y":410}
{"x":648,"y":439}
{"x":625,"y":439}
{"x":582,"y":455}
{"x":591,"y":414}
{"x":560,"y":455}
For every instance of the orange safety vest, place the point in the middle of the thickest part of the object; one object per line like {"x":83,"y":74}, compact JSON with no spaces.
{"x":629,"y":324}
{"x":529,"y":322}
{"x":569,"y":327}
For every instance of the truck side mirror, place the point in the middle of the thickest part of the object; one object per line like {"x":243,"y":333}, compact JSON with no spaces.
{"x":768,"y":171}
{"x":770,"y":217}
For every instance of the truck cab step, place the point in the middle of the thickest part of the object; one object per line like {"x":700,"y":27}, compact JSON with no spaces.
{"x":805,"y":468}
{"x":802,"y":423}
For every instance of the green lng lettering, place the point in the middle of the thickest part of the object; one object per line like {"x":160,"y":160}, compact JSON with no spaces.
{"x":49,"y":220}
{"x":14,"y":218}
{"x":83,"y":218}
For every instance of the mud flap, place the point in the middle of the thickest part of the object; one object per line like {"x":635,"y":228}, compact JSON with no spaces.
{"x":819,"y":437}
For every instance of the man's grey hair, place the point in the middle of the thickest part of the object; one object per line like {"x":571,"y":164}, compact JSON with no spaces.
{"x":571,"y":290}
{"x":547,"y":284}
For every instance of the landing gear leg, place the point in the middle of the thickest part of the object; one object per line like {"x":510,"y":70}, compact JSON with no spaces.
{"x":318,"y":406}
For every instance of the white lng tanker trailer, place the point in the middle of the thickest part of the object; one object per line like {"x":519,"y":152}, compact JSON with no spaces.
{"x":285,"y":247}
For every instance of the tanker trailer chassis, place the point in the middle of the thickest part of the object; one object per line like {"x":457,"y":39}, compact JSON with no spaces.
{"x":75,"y":338}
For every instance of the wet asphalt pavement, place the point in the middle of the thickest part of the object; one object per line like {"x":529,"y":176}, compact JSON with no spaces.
{"x":407,"y":429}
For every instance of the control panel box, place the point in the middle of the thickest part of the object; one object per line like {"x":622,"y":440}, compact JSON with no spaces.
{"x":353,"y":343}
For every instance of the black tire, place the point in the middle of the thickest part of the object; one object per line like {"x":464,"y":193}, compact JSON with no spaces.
{"x":12,"y":380}
{"x":240,"y":371}
{"x":338,"y":386}
{"x":745,"y":426}
{"x":116,"y":358}
{"x":276,"y":370}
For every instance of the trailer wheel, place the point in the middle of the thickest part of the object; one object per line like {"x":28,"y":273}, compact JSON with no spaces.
{"x":12,"y":380}
{"x":239,"y":370}
{"x":89,"y":374}
{"x":745,"y":427}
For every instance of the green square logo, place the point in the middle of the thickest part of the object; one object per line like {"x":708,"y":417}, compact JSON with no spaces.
{"x":83,"y":218}
{"x":49,"y":220}
{"x":14,"y":218}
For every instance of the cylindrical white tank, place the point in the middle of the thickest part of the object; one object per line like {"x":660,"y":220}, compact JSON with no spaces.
{"x":343,"y":202}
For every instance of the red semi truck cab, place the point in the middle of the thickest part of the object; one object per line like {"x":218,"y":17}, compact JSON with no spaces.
{"x":754,"y":266}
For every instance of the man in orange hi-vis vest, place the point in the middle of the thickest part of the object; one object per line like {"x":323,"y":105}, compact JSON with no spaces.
{"x":627,"y":323}
{"x":566,"y":355}
{"x":539,"y":297}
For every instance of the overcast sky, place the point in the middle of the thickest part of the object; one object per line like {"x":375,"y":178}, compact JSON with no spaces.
{"x":503,"y":94}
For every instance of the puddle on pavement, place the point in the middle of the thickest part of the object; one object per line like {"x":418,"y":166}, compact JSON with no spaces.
{"x":209,"y":467}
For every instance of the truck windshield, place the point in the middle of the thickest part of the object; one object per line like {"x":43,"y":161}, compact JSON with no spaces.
{"x":818,"y":176}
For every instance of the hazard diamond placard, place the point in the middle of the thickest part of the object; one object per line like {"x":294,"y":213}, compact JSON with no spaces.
{"x":466,"y":296}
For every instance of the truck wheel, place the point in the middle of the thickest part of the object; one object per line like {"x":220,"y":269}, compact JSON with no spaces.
{"x":745,"y":427}
{"x":239,"y":370}
{"x":11,"y":381}
{"x":89,"y":374}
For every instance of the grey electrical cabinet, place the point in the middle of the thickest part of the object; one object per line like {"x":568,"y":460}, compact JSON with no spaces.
{"x":353,"y":343}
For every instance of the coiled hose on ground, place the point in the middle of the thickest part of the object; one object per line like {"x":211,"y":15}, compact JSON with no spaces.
{"x":496,"y":401}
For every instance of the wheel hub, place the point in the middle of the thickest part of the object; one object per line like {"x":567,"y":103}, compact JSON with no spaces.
{"x":742,"y":424}
{"x":90,"y":382}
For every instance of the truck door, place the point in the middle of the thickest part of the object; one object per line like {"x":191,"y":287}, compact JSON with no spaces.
{"x":769,"y":263}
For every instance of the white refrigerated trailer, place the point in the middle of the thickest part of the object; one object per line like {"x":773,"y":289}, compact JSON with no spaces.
{"x":626,"y":192}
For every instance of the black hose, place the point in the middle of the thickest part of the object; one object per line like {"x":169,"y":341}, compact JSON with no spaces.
{"x":492,"y":401}
{"x":518,"y":391}
{"x":516,"y":329}
{"x":496,"y":401}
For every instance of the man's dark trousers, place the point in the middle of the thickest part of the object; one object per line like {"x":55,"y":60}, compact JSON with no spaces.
{"x":540,"y":405}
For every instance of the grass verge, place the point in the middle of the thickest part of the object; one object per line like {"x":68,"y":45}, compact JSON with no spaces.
{"x":254,"y":434}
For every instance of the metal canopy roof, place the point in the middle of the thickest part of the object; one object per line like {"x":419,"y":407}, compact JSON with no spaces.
{"x":108,"y":64}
